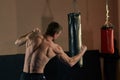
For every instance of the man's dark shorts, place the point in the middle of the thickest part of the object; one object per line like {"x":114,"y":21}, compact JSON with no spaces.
{"x":32,"y":76}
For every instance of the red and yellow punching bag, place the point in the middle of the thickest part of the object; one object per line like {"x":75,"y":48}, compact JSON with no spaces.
{"x":107,"y":35}
{"x":107,"y":39}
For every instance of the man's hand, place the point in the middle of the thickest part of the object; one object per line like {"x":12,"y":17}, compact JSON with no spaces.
{"x":34,"y":33}
{"x":37,"y":30}
{"x":83,"y":49}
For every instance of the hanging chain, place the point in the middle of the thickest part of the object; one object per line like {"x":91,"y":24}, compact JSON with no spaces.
{"x":74,"y":5}
{"x":107,"y":13}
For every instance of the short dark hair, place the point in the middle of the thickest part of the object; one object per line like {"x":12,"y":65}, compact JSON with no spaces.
{"x":53,"y":28}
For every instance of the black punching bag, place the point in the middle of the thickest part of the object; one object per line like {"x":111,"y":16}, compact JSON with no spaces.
{"x":74,"y":27}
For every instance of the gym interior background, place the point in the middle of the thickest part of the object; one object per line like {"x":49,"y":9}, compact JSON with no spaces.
{"x":21,"y":16}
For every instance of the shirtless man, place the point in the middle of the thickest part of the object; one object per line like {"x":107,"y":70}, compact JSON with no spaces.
{"x":41,"y":48}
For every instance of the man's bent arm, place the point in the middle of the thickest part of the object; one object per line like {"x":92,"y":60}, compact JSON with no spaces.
{"x":71,"y":61}
{"x":22,"y":40}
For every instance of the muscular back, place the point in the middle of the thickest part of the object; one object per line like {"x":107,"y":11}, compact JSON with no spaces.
{"x":37,"y":56}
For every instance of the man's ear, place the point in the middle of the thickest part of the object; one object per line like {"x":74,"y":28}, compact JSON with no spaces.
{"x":56,"y":35}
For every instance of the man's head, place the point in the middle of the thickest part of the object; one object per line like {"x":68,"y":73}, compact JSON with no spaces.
{"x":54,"y":29}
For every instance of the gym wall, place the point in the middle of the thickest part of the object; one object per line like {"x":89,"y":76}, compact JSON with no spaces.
{"x":18,"y":17}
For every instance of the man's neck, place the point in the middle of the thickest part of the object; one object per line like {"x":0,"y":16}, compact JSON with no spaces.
{"x":49,"y":38}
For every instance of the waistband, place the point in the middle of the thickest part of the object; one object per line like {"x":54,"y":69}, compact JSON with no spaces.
{"x":33,"y":73}
{"x":37,"y":74}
